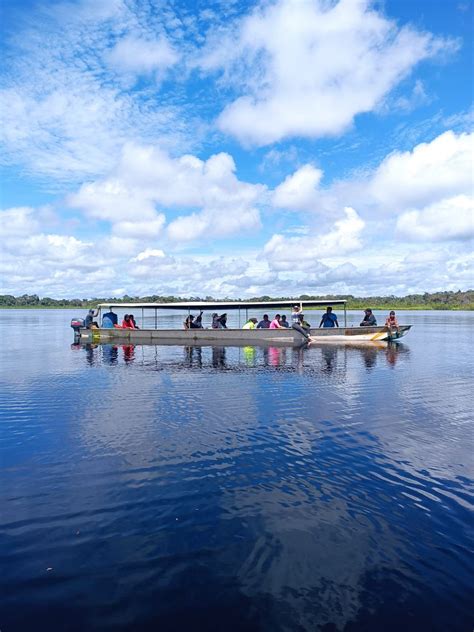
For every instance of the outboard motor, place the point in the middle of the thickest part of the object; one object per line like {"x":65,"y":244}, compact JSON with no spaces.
{"x":77,"y":324}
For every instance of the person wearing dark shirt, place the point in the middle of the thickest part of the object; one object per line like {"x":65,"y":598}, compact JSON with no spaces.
{"x":265,"y":323}
{"x":222,"y":321}
{"x":198,"y":321}
{"x":369,"y":319}
{"x":329,"y":319}
{"x":284,"y":322}
{"x":109,"y":319}
{"x":215,"y":321}
{"x":89,"y":320}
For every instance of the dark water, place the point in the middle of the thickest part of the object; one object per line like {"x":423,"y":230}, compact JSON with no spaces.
{"x":171,"y":488}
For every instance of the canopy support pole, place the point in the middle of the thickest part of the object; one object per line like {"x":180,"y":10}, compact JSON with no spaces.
{"x":345,"y":315}
{"x":143,"y":317}
{"x":156,"y":322}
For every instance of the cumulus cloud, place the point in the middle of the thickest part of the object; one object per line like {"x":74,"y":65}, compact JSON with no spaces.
{"x":149,"y":252}
{"x":452,"y":218}
{"x":299,"y":191}
{"x":343,"y":238}
{"x":429,"y":173}
{"x":305,"y":68}
{"x":147,"y":177}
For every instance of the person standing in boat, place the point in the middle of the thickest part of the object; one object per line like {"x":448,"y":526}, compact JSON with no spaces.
{"x":369,"y":319}
{"x":264,"y":323}
{"x":329,"y":319}
{"x":109,"y":320}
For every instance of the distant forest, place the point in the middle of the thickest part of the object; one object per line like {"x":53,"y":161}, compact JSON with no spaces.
{"x":428,"y":300}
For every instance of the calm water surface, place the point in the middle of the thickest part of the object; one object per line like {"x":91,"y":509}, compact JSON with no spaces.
{"x":267,"y":489}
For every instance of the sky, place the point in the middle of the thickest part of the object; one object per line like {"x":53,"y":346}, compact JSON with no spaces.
{"x":236,"y":148}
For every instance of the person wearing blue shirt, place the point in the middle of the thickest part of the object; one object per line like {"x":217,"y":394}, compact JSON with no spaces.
{"x":329,"y":319}
{"x":109,"y":319}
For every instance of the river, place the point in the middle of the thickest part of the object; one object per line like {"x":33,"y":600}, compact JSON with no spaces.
{"x":248,"y":489}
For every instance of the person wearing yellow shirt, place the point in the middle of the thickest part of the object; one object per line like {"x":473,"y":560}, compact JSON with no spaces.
{"x":250,"y":324}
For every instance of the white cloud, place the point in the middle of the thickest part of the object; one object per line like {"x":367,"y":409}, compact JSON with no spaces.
{"x":297,"y":252}
{"x":452,"y":218}
{"x":65,"y":114}
{"x":147,"y":177}
{"x":18,"y":221}
{"x":149,"y":252}
{"x":217,"y":221}
{"x":299,"y":191}
{"x":306,"y":68}
{"x":150,"y":229}
{"x":431,"y":172}
{"x":136,"y":56}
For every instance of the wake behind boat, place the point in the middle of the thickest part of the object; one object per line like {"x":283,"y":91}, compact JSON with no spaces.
{"x":292,"y":336}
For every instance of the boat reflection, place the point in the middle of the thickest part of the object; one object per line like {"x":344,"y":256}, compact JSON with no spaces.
{"x":323,"y":358}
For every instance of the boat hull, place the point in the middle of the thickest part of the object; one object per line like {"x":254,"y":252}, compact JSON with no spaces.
{"x":289,"y":337}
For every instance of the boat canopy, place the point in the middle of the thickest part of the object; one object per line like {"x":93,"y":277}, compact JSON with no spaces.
{"x":218,"y":305}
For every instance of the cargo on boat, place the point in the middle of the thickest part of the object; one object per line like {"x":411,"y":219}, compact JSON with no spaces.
{"x":293,"y":335}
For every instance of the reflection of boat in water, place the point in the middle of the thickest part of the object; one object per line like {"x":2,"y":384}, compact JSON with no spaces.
{"x":304,"y":358}
{"x":231,"y":336}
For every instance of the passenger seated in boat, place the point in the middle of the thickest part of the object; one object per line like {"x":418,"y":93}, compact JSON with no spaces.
{"x":132,"y":320}
{"x":303,"y":323}
{"x":302,"y":326}
{"x":222,"y":321}
{"x":250,"y":324}
{"x":127,"y":323}
{"x":189,"y":323}
{"x":109,"y":320}
{"x":89,"y":320}
{"x":215,"y":321}
{"x":284,"y":322}
{"x":264,"y":323}
{"x":369,"y":319}
{"x":392,"y":322}
{"x":275,"y":324}
{"x":329,"y":319}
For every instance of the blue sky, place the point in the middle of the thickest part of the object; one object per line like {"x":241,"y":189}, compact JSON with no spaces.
{"x":236,"y":148}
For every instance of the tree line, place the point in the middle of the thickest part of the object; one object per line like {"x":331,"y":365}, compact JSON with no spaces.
{"x":428,"y":300}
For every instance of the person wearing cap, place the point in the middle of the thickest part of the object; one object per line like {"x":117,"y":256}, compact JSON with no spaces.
{"x":295,"y":314}
{"x":369,"y":319}
{"x":109,"y":320}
